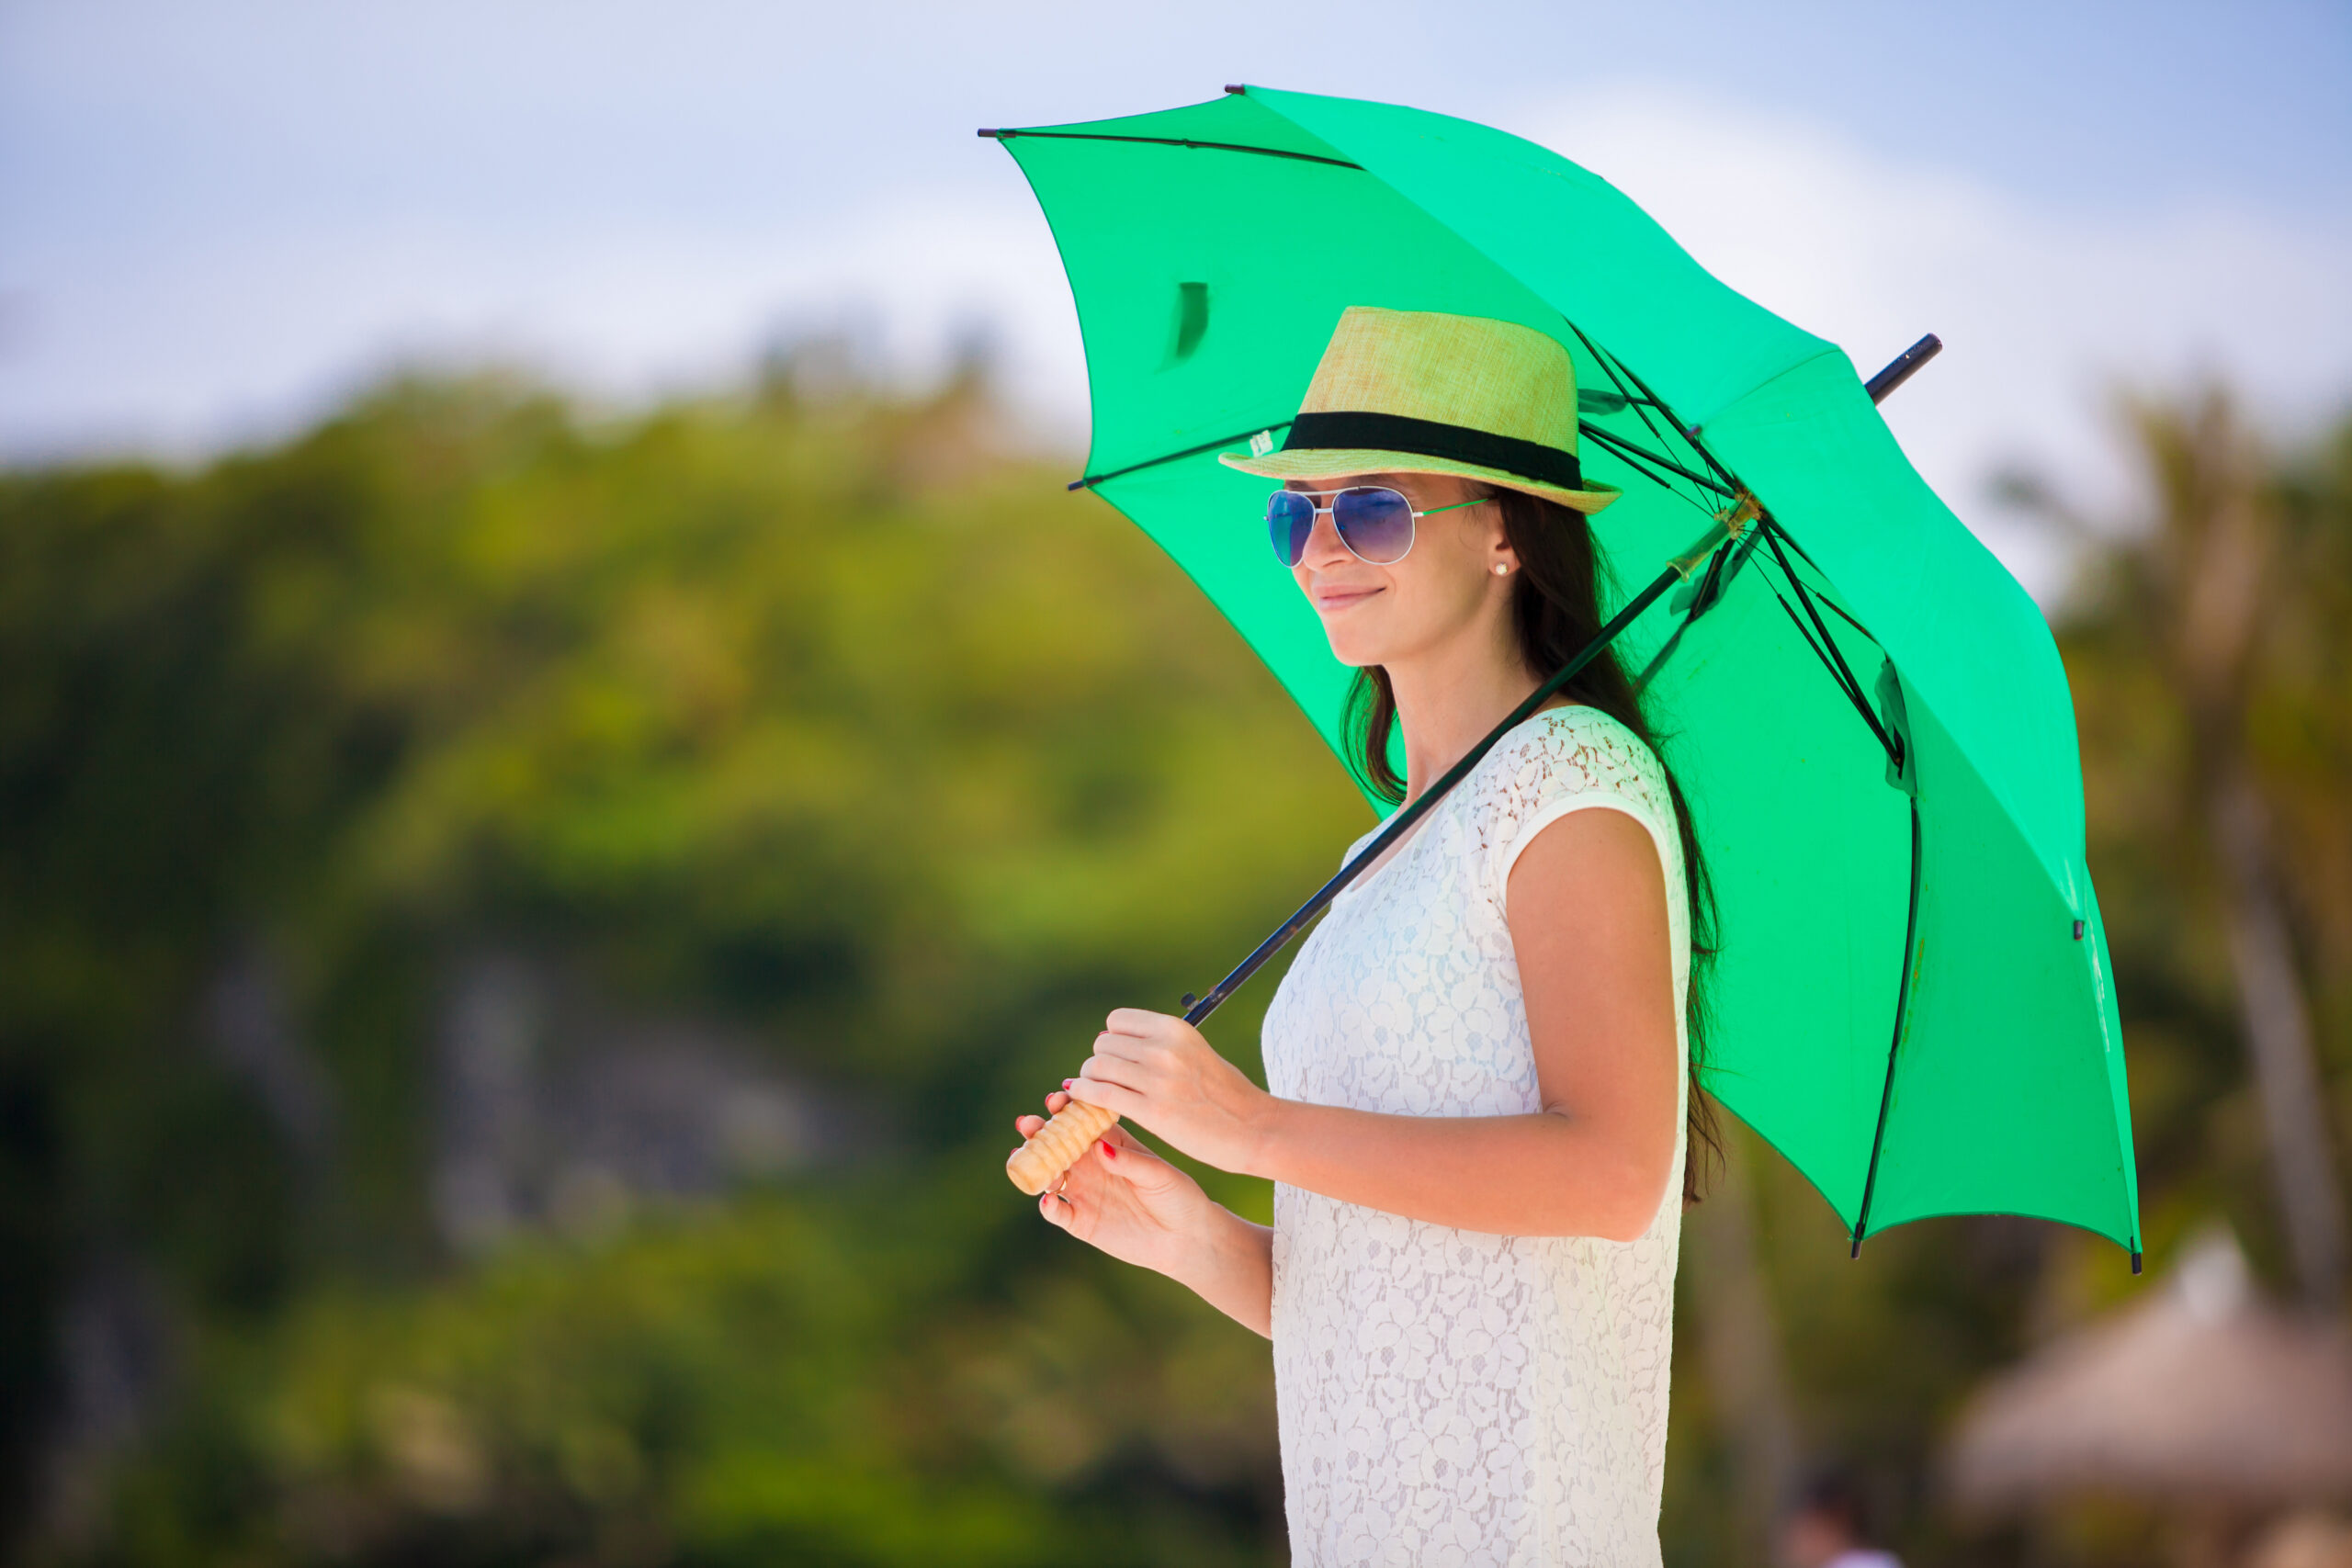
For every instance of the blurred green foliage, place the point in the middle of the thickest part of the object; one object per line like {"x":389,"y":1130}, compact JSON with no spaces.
{"x":2198,"y":1119}
{"x":817,"y":715}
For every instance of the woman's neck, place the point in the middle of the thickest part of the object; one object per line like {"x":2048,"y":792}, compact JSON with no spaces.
{"x":1449,"y":698}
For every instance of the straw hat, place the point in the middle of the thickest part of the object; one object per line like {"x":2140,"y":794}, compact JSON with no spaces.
{"x":1425,"y":393}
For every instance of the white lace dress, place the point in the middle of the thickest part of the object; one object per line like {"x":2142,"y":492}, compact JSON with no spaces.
{"x":1449,"y":1396}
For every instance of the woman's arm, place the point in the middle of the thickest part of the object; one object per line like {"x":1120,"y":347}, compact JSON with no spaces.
{"x":1587,"y":914}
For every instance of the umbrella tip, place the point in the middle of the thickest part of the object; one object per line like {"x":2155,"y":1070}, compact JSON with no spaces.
{"x":1902,"y":367}
{"x":2136,"y":1260}
{"x":1236,"y":88}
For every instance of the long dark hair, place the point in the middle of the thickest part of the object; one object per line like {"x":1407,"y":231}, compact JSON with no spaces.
{"x":1554,"y":612}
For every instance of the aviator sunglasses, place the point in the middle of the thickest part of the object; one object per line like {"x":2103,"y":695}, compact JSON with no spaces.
{"x":1374,"y":521}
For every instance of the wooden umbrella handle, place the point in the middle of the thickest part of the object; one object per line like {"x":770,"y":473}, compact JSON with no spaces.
{"x":1059,"y":1144}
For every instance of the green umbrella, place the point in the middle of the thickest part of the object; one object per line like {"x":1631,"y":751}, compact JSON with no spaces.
{"x":1912,"y":999}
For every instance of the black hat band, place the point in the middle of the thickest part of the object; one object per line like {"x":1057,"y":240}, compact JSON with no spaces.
{"x":1430,"y":438}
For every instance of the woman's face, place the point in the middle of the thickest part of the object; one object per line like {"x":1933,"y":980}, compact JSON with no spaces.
{"x":1441,"y":590}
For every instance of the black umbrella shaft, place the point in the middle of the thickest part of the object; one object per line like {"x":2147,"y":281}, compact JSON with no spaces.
{"x":1402,"y":823}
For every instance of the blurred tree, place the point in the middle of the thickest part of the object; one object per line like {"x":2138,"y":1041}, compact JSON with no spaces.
{"x":2230,"y":592}
{"x":814,"y":716}
{"x":1740,"y":1330}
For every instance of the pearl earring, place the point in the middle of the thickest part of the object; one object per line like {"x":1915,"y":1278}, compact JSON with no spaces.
{"x":1502,"y":569}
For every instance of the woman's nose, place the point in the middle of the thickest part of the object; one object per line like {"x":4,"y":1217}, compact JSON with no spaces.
{"x":1323,"y":546}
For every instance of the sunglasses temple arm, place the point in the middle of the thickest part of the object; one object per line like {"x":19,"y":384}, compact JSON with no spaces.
{"x":1197,"y":1010}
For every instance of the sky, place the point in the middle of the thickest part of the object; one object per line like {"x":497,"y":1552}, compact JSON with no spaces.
{"x":218,"y":219}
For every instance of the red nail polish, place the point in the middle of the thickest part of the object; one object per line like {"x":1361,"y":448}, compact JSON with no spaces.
{"x":1108,"y":1152}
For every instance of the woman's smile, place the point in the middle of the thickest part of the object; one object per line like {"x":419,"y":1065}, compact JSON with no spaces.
{"x":1331,"y":598}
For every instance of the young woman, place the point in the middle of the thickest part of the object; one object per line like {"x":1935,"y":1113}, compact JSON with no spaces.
{"x":1478,"y":1064}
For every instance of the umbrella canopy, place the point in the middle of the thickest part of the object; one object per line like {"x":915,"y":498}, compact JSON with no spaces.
{"x":2201,"y":1394}
{"x":1868,"y":717}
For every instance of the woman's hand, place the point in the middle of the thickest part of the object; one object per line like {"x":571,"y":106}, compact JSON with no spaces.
{"x":1157,"y":1071}
{"x":1126,"y":1200}
{"x":1136,"y":1206}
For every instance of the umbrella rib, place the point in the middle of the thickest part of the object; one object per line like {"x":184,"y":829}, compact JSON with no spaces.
{"x":1828,"y":650}
{"x":1831,"y":604}
{"x":1665,"y":485}
{"x":1630,"y":461}
{"x":1002,"y":134}
{"x":1845,"y":680}
{"x":1090,"y":480}
{"x":1719,"y":572}
{"x":1610,"y":370}
{"x":1628,"y":450}
{"x":1690,"y":434}
{"x":1828,"y":603}
{"x":1834,"y":661}
{"x":1902,"y":999}
{"x":1643,"y":399}
{"x":1797,"y":620}
{"x":1842,"y":677}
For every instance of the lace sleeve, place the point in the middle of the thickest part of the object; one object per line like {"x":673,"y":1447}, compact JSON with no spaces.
{"x":1569,"y":760}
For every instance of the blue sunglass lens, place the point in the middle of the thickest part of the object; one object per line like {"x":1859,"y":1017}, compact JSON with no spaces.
{"x":1290,"y":518}
{"x":1377,"y":524}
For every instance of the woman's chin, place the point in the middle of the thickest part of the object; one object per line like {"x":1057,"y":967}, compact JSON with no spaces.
{"x":1351,"y":642}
